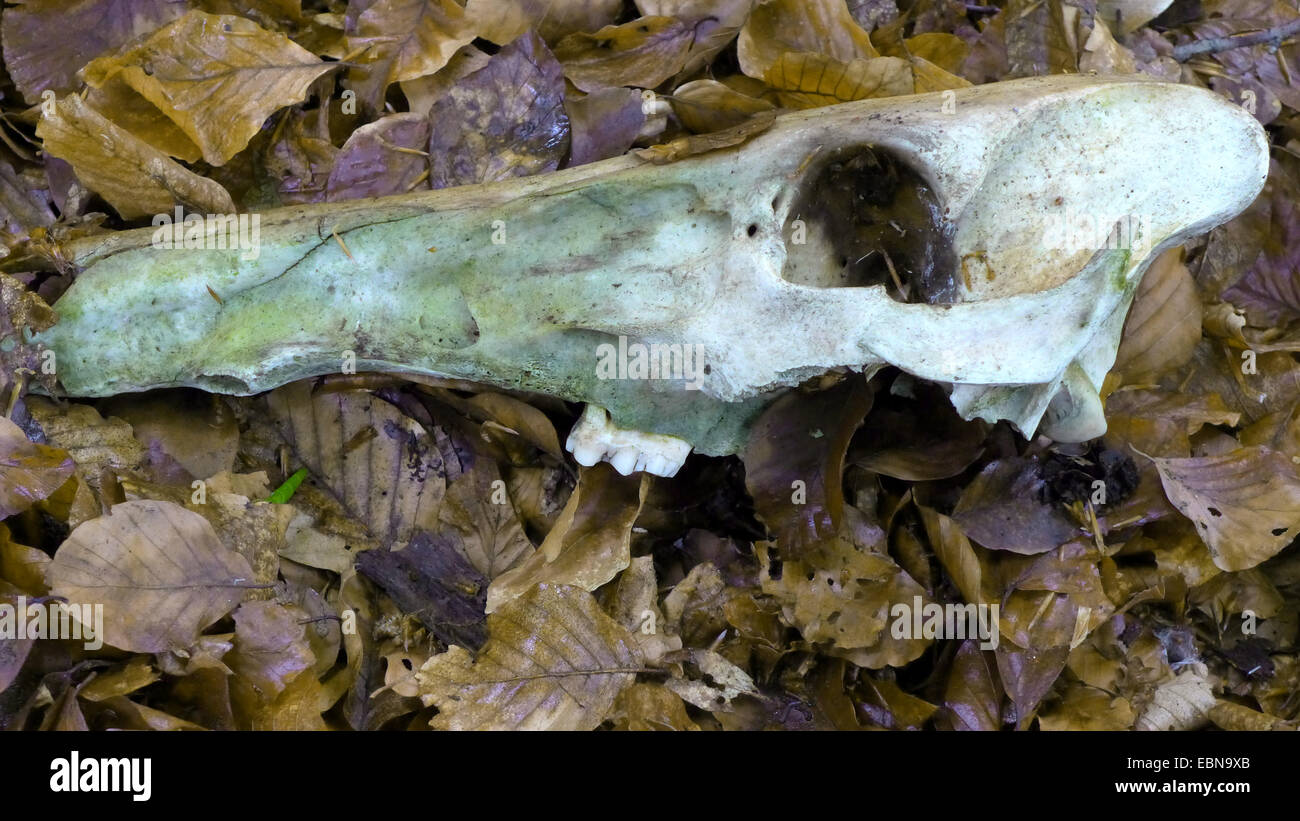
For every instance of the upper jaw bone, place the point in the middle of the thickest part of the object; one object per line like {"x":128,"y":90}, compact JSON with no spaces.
{"x":534,"y":279}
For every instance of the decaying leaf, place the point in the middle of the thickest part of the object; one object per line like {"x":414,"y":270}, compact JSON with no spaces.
{"x":29,"y":471}
{"x":553,"y":661}
{"x":504,"y":120}
{"x":643,"y":53}
{"x":133,"y":176}
{"x":1164,"y":324}
{"x":808,"y":80}
{"x":590,"y":543}
{"x":159,"y":570}
{"x":383,"y":466}
{"x":394,"y":40}
{"x":795,"y":460}
{"x":1245,"y":504}
{"x":216,"y":76}
{"x":822,"y":27}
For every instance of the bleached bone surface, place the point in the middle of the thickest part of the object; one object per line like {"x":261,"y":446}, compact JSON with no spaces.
{"x":704,"y":254}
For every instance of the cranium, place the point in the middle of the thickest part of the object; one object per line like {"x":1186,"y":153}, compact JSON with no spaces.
{"x":770,"y":258}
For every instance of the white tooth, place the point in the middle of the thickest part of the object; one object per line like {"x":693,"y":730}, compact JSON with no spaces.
{"x":672,"y":466}
{"x":656,"y":464}
{"x":641,"y":457}
{"x":588,"y":453}
{"x":624,"y":461}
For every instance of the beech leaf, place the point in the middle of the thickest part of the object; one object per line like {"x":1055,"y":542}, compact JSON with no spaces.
{"x":553,"y":661}
{"x":159,"y":570}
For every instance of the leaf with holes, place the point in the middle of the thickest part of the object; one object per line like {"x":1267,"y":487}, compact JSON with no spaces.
{"x":1246,"y":504}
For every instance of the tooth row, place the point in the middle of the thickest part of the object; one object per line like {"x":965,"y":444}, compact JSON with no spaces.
{"x":595,"y":439}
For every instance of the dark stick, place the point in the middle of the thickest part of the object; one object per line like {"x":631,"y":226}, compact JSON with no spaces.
{"x":1211,"y":45}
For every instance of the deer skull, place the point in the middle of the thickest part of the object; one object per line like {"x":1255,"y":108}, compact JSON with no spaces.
{"x":939,"y":233}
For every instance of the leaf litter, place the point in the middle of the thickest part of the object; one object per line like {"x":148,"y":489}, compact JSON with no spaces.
{"x":439,"y":561}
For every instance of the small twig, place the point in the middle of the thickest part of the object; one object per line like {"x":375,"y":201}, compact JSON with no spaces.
{"x":1212,"y":45}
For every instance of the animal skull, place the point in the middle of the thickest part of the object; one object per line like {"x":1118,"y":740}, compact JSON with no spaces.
{"x":608,"y":282}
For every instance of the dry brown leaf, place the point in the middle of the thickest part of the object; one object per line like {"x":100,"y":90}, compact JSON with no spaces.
{"x":591,"y":542}
{"x":1246,"y":504}
{"x":187,"y":434}
{"x":1101,"y":54}
{"x":1182,"y":702}
{"x":946,"y":52}
{"x":134,"y":177}
{"x":1164,"y":323}
{"x":643,"y":53}
{"x":159,"y":570}
{"x":841,"y":593}
{"x":707,"y":105}
{"x":644,"y":707}
{"x":822,"y":27}
{"x":395,"y":40}
{"x":29,"y":471}
{"x":553,"y":661}
{"x":807,"y":80}
{"x":270,"y":651}
{"x":1088,"y":708}
{"x":973,"y":697}
{"x":381,"y":465}
{"x":218,"y":77}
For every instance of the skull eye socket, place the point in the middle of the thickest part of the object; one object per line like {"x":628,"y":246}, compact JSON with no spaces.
{"x":863,"y":217}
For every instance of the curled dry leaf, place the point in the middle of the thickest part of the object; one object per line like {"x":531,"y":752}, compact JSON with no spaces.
{"x":794,"y":462}
{"x":1245,"y":504}
{"x":29,"y":471}
{"x":133,"y":176}
{"x":394,"y":40}
{"x":504,"y":120}
{"x":643,"y":53}
{"x":159,"y":570}
{"x":591,"y":542}
{"x":553,"y":661}
{"x":1182,"y":702}
{"x":1164,"y":324}
{"x":216,"y":76}
{"x":822,"y":27}
{"x":704,"y":106}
